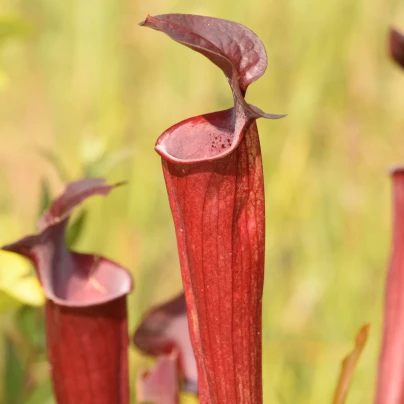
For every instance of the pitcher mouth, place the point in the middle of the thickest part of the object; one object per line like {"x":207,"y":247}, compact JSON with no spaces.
{"x":396,"y":169}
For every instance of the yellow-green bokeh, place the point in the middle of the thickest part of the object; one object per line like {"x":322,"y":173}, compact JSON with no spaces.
{"x":80,"y":79}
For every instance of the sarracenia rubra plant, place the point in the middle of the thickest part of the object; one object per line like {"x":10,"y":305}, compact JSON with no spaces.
{"x":213,"y":172}
{"x":86,"y":322}
{"x":390,"y":387}
{"x":164,"y":333}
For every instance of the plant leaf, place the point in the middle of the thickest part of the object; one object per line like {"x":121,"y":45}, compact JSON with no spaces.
{"x":164,"y":329}
{"x":45,"y":197}
{"x":30,"y":323}
{"x":236,"y":50}
{"x":160,"y":385}
{"x":75,"y":229}
{"x":75,"y":193}
{"x":229,"y":45}
{"x":42,"y":394}
{"x":218,"y":210}
{"x":349,"y":364}
{"x":55,"y":161}
{"x":109,"y":161}
{"x":14,"y":375}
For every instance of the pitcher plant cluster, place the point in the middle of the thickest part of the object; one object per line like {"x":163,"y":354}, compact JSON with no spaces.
{"x":208,"y":339}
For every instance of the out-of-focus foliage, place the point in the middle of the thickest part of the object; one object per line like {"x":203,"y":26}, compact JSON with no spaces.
{"x":85,"y":86}
{"x":11,"y":27}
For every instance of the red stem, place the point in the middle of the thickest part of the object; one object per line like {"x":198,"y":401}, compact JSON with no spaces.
{"x":218,"y":210}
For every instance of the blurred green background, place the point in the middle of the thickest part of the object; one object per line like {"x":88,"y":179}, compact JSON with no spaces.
{"x":84,"y":91}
